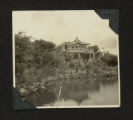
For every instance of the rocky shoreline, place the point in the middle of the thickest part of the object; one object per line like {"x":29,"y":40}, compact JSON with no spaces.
{"x":68,"y":74}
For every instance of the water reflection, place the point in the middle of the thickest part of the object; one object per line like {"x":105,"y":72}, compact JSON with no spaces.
{"x":79,"y":91}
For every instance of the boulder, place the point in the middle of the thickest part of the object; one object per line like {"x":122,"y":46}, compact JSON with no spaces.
{"x":23,"y":91}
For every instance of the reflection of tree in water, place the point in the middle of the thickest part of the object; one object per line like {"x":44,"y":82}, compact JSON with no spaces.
{"x":41,"y":96}
{"x":108,"y":81}
{"x":77,"y":90}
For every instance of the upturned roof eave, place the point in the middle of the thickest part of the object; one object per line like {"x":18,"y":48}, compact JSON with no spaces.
{"x":78,"y":43}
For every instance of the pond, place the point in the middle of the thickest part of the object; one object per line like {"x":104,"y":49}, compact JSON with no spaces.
{"x":77,"y":92}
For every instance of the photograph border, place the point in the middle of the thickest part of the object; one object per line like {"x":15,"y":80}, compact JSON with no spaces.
{"x":82,"y":106}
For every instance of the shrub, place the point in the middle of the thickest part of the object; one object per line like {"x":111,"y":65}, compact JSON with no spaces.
{"x":110,"y":59}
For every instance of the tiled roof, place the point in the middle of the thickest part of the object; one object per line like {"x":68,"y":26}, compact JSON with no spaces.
{"x":77,"y":41}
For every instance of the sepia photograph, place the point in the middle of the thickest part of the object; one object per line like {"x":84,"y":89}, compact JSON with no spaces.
{"x":65,"y":59}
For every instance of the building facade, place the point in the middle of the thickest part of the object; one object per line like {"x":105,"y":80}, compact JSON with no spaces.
{"x":79,"y":52}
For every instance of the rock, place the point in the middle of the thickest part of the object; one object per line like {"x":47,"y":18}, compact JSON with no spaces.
{"x":51,"y":78}
{"x":61,"y":76}
{"x":35,"y":89}
{"x":23,"y":91}
{"x":67,"y":76}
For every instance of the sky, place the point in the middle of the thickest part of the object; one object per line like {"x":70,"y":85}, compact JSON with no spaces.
{"x":61,"y":26}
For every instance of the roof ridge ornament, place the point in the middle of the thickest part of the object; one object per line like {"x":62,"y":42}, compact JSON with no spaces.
{"x":77,"y":40}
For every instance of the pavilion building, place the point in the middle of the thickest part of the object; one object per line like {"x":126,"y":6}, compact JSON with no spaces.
{"x":79,"y":51}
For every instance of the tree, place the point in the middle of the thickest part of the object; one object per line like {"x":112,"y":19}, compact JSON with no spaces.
{"x":31,"y":58}
{"x":43,"y":54}
{"x":22,"y":48}
{"x":110,"y":59}
{"x":44,"y":45}
{"x":96,"y":48}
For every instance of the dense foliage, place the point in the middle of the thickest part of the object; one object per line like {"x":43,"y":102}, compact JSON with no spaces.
{"x":110,"y":59}
{"x":32,"y":59}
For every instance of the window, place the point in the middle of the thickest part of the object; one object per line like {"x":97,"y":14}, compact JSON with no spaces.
{"x":75,"y":56}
